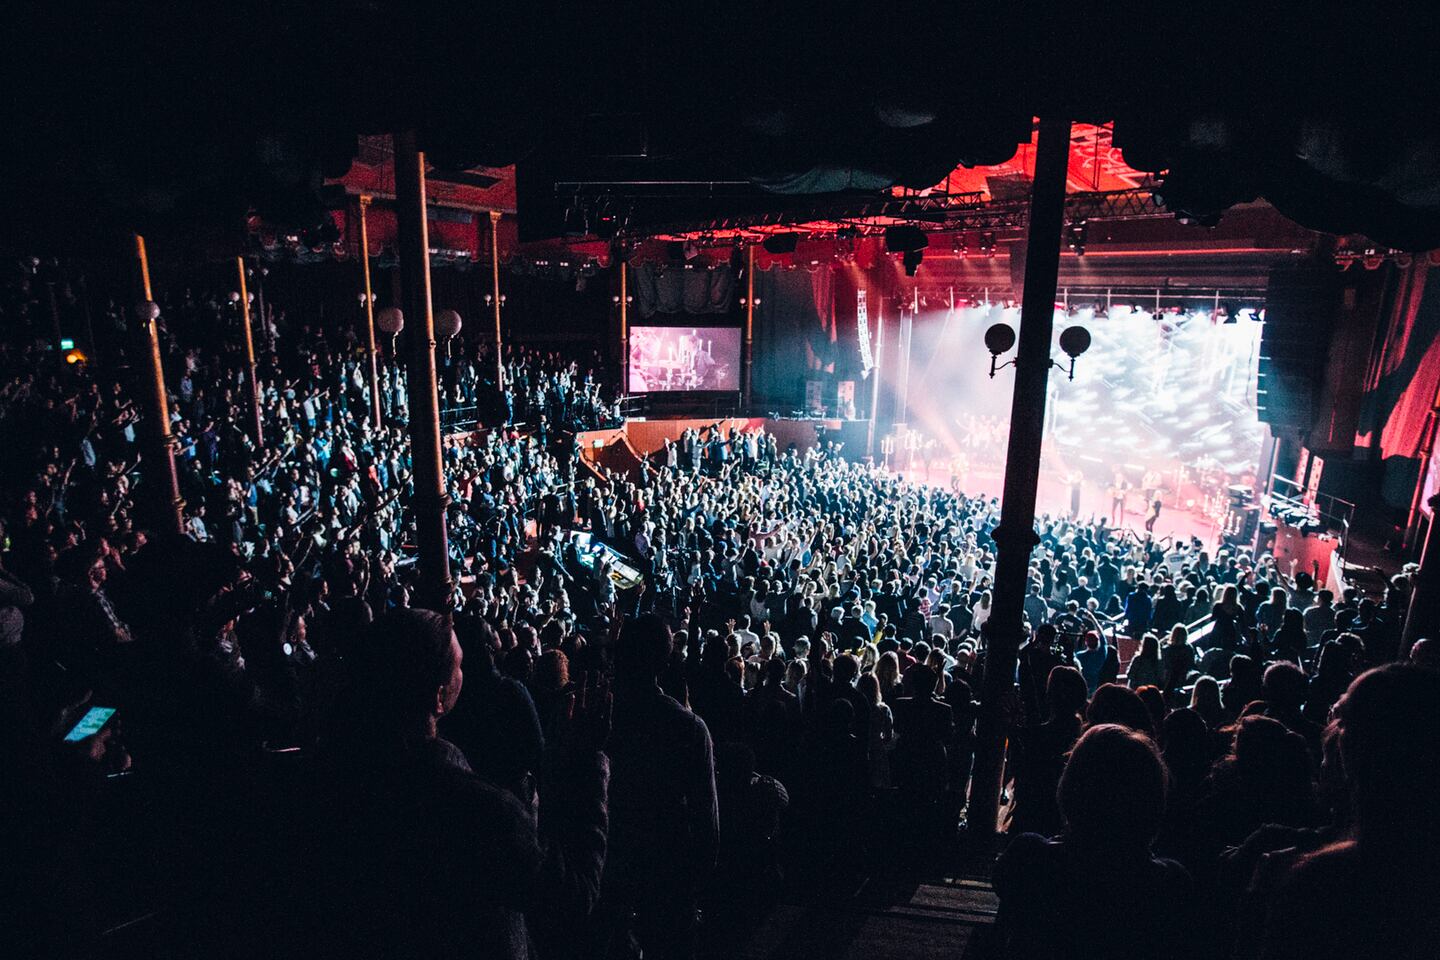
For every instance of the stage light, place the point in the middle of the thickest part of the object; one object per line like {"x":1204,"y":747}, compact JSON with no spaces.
{"x":905,"y":238}
{"x":1076,"y":239}
{"x":780,"y":243}
{"x":987,"y":243}
{"x":912,"y":259}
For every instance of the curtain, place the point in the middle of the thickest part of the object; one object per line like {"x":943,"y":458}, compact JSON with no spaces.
{"x":794,"y":332}
{"x":1403,"y":381}
{"x":675,"y":288}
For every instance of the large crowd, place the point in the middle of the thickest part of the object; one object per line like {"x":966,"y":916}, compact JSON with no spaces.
{"x":1208,"y":755}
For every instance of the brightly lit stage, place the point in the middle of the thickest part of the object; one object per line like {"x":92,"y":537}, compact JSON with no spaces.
{"x":1162,"y":406}
{"x":1164,"y":400}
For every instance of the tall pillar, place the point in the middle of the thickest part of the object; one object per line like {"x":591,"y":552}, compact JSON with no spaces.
{"x":749,"y":326}
{"x":375,"y":419}
{"x":92,"y":347}
{"x":161,"y":477}
{"x":430,"y":499}
{"x":1423,"y":618}
{"x":1015,"y":537}
{"x":624,"y":329}
{"x":260,"y":306}
{"x":257,"y":432}
{"x":876,"y":357}
{"x":56,"y":334}
{"x":495,"y":295}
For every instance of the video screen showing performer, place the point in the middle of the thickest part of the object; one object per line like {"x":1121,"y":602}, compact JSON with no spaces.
{"x":684,"y":358}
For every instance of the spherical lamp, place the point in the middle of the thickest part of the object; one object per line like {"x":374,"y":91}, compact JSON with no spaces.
{"x":391,"y":320}
{"x":447,"y":323}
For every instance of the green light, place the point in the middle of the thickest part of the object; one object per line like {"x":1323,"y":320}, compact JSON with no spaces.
{"x":67,"y":344}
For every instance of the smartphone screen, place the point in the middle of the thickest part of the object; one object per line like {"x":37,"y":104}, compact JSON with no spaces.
{"x":90,"y":724}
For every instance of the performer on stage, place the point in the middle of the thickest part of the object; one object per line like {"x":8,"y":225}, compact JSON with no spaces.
{"x":1150,"y":486}
{"x":1152,"y":514}
{"x":1076,"y":481}
{"x":1119,"y":488}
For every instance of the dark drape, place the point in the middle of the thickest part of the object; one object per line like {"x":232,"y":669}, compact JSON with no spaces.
{"x":794,"y":333}
{"x":1403,"y":380}
{"x":681,"y":288}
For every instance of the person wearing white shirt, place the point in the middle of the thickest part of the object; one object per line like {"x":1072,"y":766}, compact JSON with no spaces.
{"x":744,"y":634}
{"x":939,"y":623}
{"x":980,"y":612}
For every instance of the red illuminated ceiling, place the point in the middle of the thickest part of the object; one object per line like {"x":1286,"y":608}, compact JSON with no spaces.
{"x":476,"y":189}
{"x":1095,"y":165}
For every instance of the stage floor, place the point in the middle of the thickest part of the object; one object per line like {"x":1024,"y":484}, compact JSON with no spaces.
{"x":1053,"y":497}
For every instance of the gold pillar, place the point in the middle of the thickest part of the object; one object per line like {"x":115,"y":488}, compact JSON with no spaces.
{"x":624,"y":328}
{"x":169,"y":506}
{"x":430,"y":500}
{"x":875,"y":378}
{"x":749,"y":325}
{"x":369,"y":315}
{"x":495,"y":294}
{"x":256,"y":430}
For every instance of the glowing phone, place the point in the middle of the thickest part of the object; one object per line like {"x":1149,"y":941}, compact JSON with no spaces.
{"x":94,"y":720}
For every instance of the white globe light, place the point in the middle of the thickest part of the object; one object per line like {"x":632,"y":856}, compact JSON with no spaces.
{"x":391,"y":320}
{"x":447,"y":323}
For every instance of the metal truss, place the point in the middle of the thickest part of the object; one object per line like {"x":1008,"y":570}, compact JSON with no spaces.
{"x":934,"y":212}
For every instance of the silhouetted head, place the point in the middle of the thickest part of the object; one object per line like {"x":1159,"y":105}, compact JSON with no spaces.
{"x":642,"y":651}
{"x":1284,"y":687}
{"x":1113,"y":788}
{"x":1390,"y":745}
{"x":1065,"y":692}
{"x":407,"y":673}
{"x":1116,"y":704}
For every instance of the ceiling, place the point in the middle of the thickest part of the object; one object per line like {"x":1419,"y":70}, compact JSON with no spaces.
{"x":181,"y":120}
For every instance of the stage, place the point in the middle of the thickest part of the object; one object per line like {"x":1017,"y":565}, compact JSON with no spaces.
{"x":1053,"y":498}
{"x":1183,"y":513}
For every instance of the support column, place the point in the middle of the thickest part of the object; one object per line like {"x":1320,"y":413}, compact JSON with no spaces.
{"x":56,"y":334}
{"x":495,"y":295}
{"x":430,"y":499}
{"x":260,"y":306}
{"x":1015,"y":537}
{"x":257,"y":432}
{"x":749,"y":326}
{"x":624,"y":329}
{"x":161,"y":477}
{"x":375,"y":419}
{"x":92,"y":347}
{"x":1423,"y":618}
{"x":876,"y":357}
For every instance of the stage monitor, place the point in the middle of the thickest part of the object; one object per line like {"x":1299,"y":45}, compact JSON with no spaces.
{"x":684,"y":359}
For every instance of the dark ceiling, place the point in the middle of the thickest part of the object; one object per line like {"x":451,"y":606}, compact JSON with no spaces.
{"x":179,"y":119}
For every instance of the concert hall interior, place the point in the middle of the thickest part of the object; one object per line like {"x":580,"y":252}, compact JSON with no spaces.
{"x":737,"y":481}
